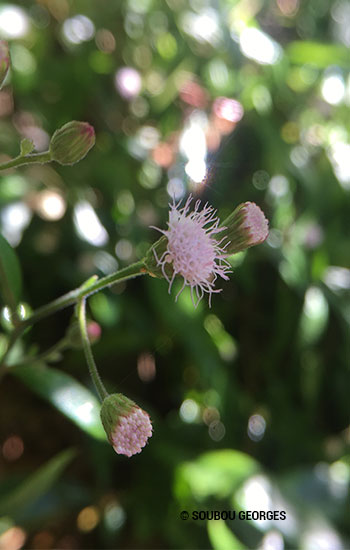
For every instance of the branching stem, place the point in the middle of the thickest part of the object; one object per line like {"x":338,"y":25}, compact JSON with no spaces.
{"x":73,"y":297}
{"x":22,"y":160}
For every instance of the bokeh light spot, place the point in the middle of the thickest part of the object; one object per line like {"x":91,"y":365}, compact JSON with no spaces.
{"x":256,"y":427}
{"x":50,"y":205}
{"x":189,"y":411}
{"x":146,"y":367}
{"x":88,"y":226}
{"x":105,"y":41}
{"x":128,"y":82}
{"x":333,"y":89}
{"x":114,"y":517}
{"x":124,"y":249}
{"x":88,"y":519}
{"x":14,"y":22}
{"x":259,"y":46}
{"x":216,"y":430}
{"x":12,"y":448}
{"x":78,"y":29}
{"x":13,"y":539}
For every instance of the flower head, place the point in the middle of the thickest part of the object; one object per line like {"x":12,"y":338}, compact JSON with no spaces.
{"x":127,"y":426}
{"x":192,"y":250}
{"x":245,"y":227}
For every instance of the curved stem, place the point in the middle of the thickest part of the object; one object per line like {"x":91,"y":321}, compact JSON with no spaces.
{"x":101,"y":390}
{"x":71,"y":298}
{"x":133,"y":270}
{"x":33,"y":158}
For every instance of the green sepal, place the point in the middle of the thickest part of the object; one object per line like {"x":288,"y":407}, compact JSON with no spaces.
{"x":113,"y":407}
{"x":27,"y":147}
{"x":156,"y":251}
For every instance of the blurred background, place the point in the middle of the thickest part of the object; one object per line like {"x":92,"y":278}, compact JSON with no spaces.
{"x":233,"y":100}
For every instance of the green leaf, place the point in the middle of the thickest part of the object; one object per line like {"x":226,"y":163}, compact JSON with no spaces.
{"x":27,"y":147}
{"x":10,"y":274}
{"x":216,"y":473}
{"x":64,"y":393}
{"x":221,"y":536}
{"x":36,"y":485}
{"x":318,"y":54}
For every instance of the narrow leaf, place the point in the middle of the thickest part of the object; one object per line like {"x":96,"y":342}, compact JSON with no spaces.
{"x":10,"y":274}
{"x":36,"y":485}
{"x":65,"y":393}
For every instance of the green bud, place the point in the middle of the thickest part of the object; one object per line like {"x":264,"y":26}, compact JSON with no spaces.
{"x":72,"y":142}
{"x":4,"y":61}
{"x":245,"y":227}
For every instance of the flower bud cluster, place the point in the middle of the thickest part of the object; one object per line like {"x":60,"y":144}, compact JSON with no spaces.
{"x":127,"y":426}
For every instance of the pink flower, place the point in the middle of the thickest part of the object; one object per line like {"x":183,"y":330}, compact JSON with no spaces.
{"x":131,"y":433}
{"x":127,"y":426}
{"x":193,"y":251}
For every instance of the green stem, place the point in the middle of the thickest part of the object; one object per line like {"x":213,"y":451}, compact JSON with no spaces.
{"x":33,"y":158}
{"x":101,"y":390}
{"x":61,"y":345}
{"x":133,"y":270}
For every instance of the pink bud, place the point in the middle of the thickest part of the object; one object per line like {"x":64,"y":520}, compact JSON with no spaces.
{"x":245,"y":227}
{"x":255,"y":223}
{"x":127,"y":426}
{"x":72,"y":142}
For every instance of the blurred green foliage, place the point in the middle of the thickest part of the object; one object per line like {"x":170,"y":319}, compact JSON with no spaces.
{"x":249,"y":400}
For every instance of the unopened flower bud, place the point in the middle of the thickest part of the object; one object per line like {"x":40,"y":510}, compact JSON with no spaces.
{"x":127,"y":426}
{"x":72,"y":142}
{"x":4,"y":61}
{"x":245,"y":227}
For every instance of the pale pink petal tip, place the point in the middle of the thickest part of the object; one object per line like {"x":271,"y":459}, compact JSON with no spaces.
{"x":132,"y":432}
{"x":256,"y":223}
